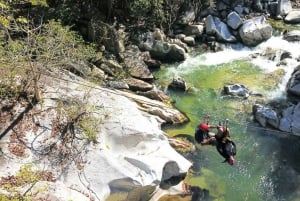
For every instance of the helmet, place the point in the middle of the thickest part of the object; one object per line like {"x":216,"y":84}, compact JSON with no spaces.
{"x":204,"y":126}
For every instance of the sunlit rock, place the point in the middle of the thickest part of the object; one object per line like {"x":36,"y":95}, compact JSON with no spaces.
{"x":284,"y":7}
{"x":292,"y":35}
{"x":189,"y":40}
{"x":129,"y":150}
{"x":167,"y":52}
{"x":255,"y":31}
{"x":293,"y":17}
{"x":156,"y":94}
{"x":138,"y":85}
{"x":214,"y":26}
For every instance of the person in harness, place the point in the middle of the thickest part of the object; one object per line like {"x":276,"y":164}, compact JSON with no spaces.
{"x":225,"y":146}
{"x":202,"y":134}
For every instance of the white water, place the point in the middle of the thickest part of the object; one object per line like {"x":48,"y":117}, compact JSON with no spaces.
{"x":235,"y":52}
{"x":280,"y":45}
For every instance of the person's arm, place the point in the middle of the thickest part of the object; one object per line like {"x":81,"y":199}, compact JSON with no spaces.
{"x":213,"y":126}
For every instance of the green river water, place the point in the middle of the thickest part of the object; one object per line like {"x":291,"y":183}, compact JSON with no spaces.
{"x":268,"y":164}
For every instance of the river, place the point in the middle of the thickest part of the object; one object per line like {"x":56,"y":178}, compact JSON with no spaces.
{"x":268,"y":165}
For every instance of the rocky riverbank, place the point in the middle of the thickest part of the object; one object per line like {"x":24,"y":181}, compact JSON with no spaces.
{"x":127,"y":151}
{"x":119,"y":146}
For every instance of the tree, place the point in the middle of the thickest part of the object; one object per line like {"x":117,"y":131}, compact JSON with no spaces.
{"x":35,"y":47}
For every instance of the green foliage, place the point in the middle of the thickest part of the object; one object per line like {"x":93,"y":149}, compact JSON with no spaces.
{"x":15,"y":184}
{"x":82,"y":116}
{"x":161,"y":13}
{"x":140,"y":7}
{"x":48,"y":48}
{"x":27,"y":175}
{"x":39,"y":2}
{"x":67,"y":11}
{"x":281,"y":26}
{"x":58,"y":45}
{"x":89,"y":126}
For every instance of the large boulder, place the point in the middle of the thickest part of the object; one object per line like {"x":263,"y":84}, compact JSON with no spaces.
{"x":290,"y":120}
{"x":193,"y":29}
{"x":293,"y":35}
{"x":284,"y":7}
{"x":255,"y":31}
{"x":215,"y":27}
{"x":160,"y":49}
{"x":138,"y":69}
{"x":293,"y":86}
{"x":167,"y":52}
{"x":293,"y":17}
{"x":265,"y":116}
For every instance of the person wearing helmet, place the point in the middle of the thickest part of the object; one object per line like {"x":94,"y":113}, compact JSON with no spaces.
{"x":202,"y":134}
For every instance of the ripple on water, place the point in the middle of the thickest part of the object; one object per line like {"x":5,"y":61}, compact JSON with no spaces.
{"x":266,"y":188}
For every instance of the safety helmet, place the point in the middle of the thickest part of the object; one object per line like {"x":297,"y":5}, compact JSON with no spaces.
{"x":204,"y":126}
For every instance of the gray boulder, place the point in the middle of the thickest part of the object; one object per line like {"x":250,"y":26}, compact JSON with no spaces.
{"x":293,"y":86}
{"x":168,"y":52}
{"x":284,"y":7}
{"x":194,"y":29}
{"x":265,"y":116}
{"x":255,"y":31}
{"x":234,"y":20}
{"x":135,"y":65}
{"x":215,"y":27}
{"x":292,"y":35}
{"x":293,"y":17}
{"x":138,"y":85}
{"x":290,"y":121}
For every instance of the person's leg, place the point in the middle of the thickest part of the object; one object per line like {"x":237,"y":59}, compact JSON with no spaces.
{"x":231,"y":160}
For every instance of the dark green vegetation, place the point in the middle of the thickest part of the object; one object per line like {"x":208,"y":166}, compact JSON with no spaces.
{"x":40,"y":36}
